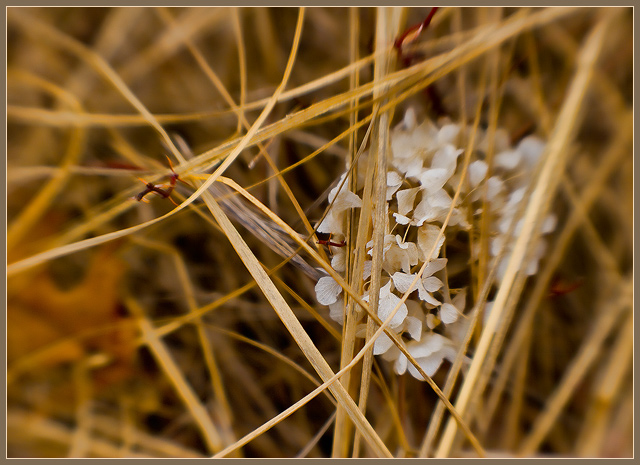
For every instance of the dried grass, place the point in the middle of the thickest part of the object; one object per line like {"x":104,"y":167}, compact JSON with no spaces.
{"x":159,"y":331}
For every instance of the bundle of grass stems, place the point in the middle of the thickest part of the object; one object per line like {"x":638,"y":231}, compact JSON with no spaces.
{"x":167,"y":172}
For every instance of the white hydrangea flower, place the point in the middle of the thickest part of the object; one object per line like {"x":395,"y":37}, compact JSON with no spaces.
{"x":421,"y":180}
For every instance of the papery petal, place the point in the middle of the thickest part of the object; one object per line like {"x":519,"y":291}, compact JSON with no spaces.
{"x":405,"y":199}
{"x":508,"y":159}
{"x":448,"y":133}
{"x":394,"y":181}
{"x":531,"y":148}
{"x":448,"y":313}
{"x":434,"y":266}
{"x":432,"y":180}
{"x":430,"y":343}
{"x":382,"y":344}
{"x":424,"y":212}
{"x":440,"y":199}
{"x":516,"y":197}
{"x":386,"y":305}
{"x":331,"y":224}
{"x":446,"y":158}
{"x":460,"y":300}
{"x":413,"y":326}
{"x":401,"y":219}
{"x":340,"y":186}
{"x":427,"y":236}
{"x":409,"y":121}
{"x":429,"y":365}
{"x":327,"y":290}
{"x":432,"y":321}
{"x":336,"y":311}
{"x":549,"y":224}
{"x":402,"y":281}
{"x":494,"y":187}
{"x":431,"y":284}
{"x":400,"y":367}
{"x":339,"y":260}
{"x":401,"y":243}
{"x":477,"y":171}
{"x":426,"y":296}
{"x":346,"y":199}
{"x":393,"y":178}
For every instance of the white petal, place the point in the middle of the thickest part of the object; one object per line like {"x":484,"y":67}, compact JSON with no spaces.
{"x":431,"y":284}
{"x":432,"y":321}
{"x":414,"y":327}
{"x":516,"y":197}
{"x":427,"y":236}
{"x":331,"y":224}
{"x":336,"y":311}
{"x":446,"y":158}
{"x":405,"y":199}
{"x":409,"y":121}
{"x":429,"y":365}
{"x":402,"y":281}
{"x":432,"y":180}
{"x":430,"y":343}
{"x":494,"y":187}
{"x":424,"y":212}
{"x":447,"y":133}
{"x":339,"y":259}
{"x":340,"y":185}
{"x":400,"y":367}
{"x":401,"y":219}
{"x":391,"y":190}
{"x":508,"y":159}
{"x":549,"y":224}
{"x":382,"y":344}
{"x":448,"y":313}
{"x":460,"y":300}
{"x":531,"y":148}
{"x":393,"y":178}
{"x":387,"y":304}
{"x":327,"y":290}
{"x":434,"y":266}
{"x":385,"y":290}
{"x":477,"y":172}
{"x":346,"y":199}
{"x":440,"y":199}
{"x":426,"y":296}
{"x":367,"y":269}
{"x":400,"y":242}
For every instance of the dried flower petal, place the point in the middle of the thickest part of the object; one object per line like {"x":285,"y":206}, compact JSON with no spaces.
{"x":327,"y":290}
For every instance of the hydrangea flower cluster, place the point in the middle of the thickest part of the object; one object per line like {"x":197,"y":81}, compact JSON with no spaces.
{"x":424,"y":172}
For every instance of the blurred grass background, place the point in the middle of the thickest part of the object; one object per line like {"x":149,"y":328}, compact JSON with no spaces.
{"x":85,"y":87}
